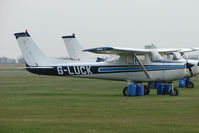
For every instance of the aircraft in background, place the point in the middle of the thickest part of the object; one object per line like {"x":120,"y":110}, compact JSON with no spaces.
{"x":133,"y":65}
{"x":75,"y":50}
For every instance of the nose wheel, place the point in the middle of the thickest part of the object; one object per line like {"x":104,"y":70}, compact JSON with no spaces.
{"x":189,"y":84}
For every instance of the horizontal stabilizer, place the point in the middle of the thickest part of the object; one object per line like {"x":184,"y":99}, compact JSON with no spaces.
{"x":22,"y":34}
{"x":40,"y":67}
{"x":73,"y":36}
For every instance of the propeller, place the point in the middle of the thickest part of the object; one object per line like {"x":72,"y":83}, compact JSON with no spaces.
{"x":189,"y":66}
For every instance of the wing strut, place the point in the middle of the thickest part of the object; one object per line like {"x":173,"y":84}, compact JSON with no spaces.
{"x":142,"y":66}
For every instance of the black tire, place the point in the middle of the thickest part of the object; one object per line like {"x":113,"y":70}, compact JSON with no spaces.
{"x":125,"y":91}
{"x":146,"y":90}
{"x":189,"y":84}
{"x":174,"y":92}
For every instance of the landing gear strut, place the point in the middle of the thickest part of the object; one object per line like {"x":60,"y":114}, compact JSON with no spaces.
{"x":174,"y":91}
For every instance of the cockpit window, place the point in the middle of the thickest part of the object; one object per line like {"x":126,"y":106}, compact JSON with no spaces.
{"x":156,"y":56}
{"x":112,"y":59}
{"x":176,"y":56}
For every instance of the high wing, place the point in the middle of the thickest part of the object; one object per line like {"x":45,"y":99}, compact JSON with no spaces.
{"x":167,"y":51}
{"x":118,"y":50}
{"x":124,"y":52}
{"x":181,"y":50}
{"x":127,"y":51}
{"x":184,"y":50}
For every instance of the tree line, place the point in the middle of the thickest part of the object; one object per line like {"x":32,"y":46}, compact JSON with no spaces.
{"x":6,"y":60}
{"x":20,"y":60}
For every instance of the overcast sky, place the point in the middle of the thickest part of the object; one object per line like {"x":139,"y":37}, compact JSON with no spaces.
{"x":124,"y":23}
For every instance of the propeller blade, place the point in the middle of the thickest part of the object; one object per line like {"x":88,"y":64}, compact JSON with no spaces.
{"x":189,"y":66}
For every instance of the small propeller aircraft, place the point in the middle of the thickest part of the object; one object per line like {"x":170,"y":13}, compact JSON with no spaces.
{"x":133,"y":65}
{"x":75,"y":50}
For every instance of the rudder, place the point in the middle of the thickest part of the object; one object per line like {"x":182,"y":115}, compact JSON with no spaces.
{"x":31,"y":52}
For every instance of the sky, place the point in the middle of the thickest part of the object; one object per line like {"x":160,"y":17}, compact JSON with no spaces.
{"x":121,"y":23}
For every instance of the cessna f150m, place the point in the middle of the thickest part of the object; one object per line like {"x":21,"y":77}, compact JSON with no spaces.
{"x":137,"y":65}
{"x":75,"y":51}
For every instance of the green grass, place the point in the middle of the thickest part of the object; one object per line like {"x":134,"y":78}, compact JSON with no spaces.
{"x":33,"y":104}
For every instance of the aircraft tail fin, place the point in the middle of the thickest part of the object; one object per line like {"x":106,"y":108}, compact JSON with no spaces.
{"x":31,"y":52}
{"x":75,"y":49}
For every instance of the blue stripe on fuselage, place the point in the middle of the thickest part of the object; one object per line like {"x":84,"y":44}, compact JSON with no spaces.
{"x":149,"y":68}
{"x":168,"y":61}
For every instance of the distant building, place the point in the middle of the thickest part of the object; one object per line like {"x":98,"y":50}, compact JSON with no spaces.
{"x":20,"y":60}
{"x":6,"y":60}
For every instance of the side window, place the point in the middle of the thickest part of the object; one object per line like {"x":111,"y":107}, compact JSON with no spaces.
{"x":134,"y":62}
{"x":129,"y":60}
{"x":132,"y":59}
{"x":142,"y":58}
{"x":176,"y":56}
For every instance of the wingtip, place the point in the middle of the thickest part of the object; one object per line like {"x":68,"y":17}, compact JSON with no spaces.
{"x":98,"y":49}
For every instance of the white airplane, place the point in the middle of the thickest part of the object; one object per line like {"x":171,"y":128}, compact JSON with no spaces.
{"x":75,"y":50}
{"x":134,"y":65}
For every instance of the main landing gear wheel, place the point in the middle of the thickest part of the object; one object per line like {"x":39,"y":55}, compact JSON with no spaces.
{"x":189,"y":84}
{"x":125,"y":91}
{"x":174,"y":92}
{"x":146,"y":90}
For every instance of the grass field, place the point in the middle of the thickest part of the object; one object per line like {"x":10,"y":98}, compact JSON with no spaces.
{"x":33,"y":104}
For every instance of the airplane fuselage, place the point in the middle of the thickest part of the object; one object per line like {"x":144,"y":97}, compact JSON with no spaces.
{"x":159,"y":71}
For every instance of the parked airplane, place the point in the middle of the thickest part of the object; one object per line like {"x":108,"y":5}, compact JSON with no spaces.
{"x":75,"y":50}
{"x":134,"y":65}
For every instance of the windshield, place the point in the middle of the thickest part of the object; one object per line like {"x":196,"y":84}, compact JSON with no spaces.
{"x":176,"y":56}
{"x":112,"y":59}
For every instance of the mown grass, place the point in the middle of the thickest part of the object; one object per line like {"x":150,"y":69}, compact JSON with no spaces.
{"x":32,"y":104}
